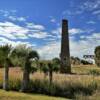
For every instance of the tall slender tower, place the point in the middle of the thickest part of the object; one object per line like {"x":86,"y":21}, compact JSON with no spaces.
{"x":65,"y":52}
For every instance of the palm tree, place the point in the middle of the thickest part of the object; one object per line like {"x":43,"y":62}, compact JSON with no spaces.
{"x":44,"y":68}
{"x":27,"y":69}
{"x":50,"y":66}
{"x":5,"y":52}
{"x":53,"y":66}
{"x":56,"y":64}
{"x":25,"y":55}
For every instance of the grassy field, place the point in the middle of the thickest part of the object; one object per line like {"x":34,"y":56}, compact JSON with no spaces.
{"x":81,"y":76}
{"x":22,"y":96}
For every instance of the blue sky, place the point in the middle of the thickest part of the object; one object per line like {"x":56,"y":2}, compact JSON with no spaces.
{"x":37,"y":23}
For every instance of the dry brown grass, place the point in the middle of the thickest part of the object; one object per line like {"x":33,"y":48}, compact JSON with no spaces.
{"x":80,"y":75}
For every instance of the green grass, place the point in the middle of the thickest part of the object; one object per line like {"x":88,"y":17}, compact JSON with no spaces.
{"x":95,"y":96}
{"x":22,"y":96}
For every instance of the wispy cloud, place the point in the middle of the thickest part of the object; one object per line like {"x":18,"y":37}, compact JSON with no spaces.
{"x":72,"y":13}
{"x":90,"y":5}
{"x":39,"y":35}
{"x":14,"y":18}
{"x":13,"y":31}
{"x":86,"y":6}
{"x":93,"y":36}
{"x":12,"y":15}
{"x":35,"y":26}
{"x":4,"y":41}
{"x":91,"y":22}
{"x":97,"y":12}
{"x":74,"y":31}
{"x":49,"y":50}
{"x":77,"y":48}
{"x":52,"y":19}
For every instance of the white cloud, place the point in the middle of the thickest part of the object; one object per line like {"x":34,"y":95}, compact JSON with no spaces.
{"x":93,"y":36}
{"x":91,"y":22}
{"x":72,"y":13}
{"x":13,"y":31}
{"x":39,"y":35}
{"x":96,"y":35}
{"x":85,"y":45}
{"x":5,"y":13}
{"x":86,"y":6}
{"x":57,"y":31}
{"x":50,"y":50}
{"x":77,"y":48}
{"x":35,"y":26}
{"x":9,"y":30}
{"x":4,"y":41}
{"x":21,"y":19}
{"x":11,"y":15}
{"x":96,"y":12}
{"x":74,"y":31}
{"x":14,"y":18}
{"x":90,"y":5}
{"x":52,"y":19}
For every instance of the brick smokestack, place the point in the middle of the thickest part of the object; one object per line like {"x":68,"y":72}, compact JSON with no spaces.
{"x":65,"y":51}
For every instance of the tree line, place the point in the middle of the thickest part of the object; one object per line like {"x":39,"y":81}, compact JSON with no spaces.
{"x":97,"y":55}
{"x":28,"y":59}
{"x":25,"y":57}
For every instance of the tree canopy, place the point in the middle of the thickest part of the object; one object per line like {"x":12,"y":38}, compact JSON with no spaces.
{"x":97,"y":55}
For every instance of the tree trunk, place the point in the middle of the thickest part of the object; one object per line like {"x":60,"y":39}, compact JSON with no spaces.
{"x":45,"y":75}
{"x":25,"y":82}
{"x":6,"y":78}
{"x":50,"y":73}
{"x":50,"y":77}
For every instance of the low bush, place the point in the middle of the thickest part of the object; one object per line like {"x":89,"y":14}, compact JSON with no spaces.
{"x":94,"y":72}
{"x":15,"y":84}
{"x":63,"y":89}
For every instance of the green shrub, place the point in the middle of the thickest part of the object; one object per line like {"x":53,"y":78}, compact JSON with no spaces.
{"x":1,"y":82}
{"x":15,"y":84}
{"x":94,"y":72}
{"x":63,"y":89}
{"x":97,"y":56}
{"x":80,"y":96}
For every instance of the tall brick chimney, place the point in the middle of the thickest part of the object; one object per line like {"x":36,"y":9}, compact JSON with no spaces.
{"x":65,"y":52}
